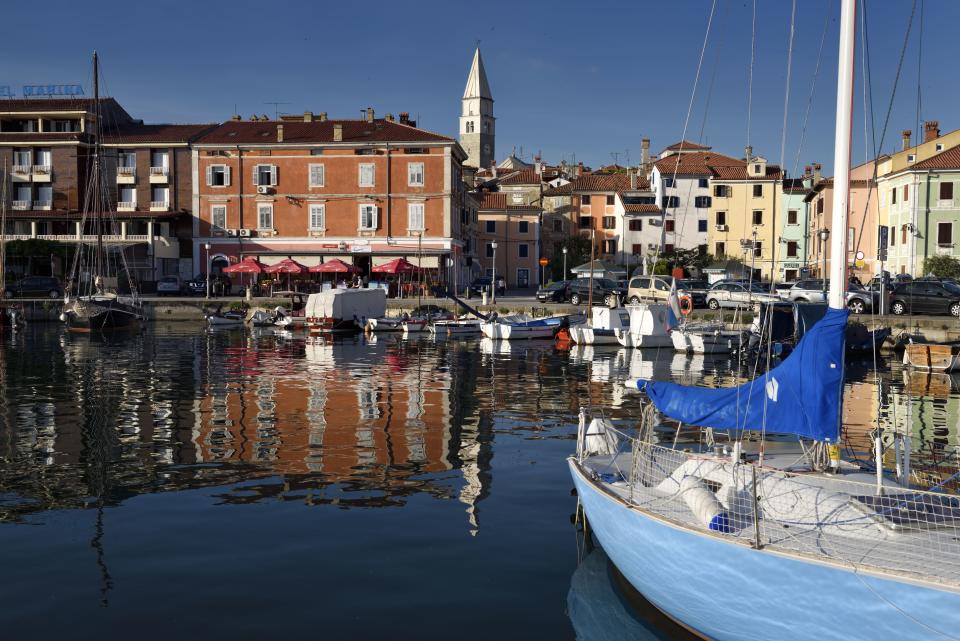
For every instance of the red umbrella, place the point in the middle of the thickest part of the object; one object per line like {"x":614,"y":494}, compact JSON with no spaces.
{"x":286,"y":266}
{"x":396,"y":266}
{"x":248,"y":265}
{"x":334,"y":266}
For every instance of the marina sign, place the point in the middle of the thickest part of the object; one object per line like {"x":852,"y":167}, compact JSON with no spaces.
{"x":35,"y":91}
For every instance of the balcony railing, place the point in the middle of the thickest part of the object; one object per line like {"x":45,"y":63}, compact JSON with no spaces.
{"x":88,"y":238}
{"x":159,"y":171}
{"x":126,"y":171}
{"x":42,"y":204}
{"x":21,"y":204}
{"x":159,"y":205}
{"x":41,"y":169}
{"x":126,"y":205}
{"x":21,"y":169}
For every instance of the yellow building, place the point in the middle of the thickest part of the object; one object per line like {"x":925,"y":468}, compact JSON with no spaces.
{"x":744,"y":212}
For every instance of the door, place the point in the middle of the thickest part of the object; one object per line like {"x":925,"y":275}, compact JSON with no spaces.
{"x":523,"y":277}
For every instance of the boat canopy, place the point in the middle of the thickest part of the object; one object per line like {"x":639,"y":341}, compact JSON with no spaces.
{"x":801,"y":396}
{"x":347,"y":304}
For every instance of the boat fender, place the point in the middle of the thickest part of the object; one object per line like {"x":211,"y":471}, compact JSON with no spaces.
{"x":63,"y":318}
{"x":686,"y":304}
{"x":705,"y":505}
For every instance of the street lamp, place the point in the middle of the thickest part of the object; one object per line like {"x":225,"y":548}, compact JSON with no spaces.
{"x":824,"y":234}
{"x":493,"y":280}
{"x":564,"y":277}
{"x":207,"y":247}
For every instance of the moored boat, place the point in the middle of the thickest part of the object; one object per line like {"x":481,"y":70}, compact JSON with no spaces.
{"x":601,"y":330}
{"x":932,"y":357}
{"x":344,"y":310}
{"x":706,"y":338}
{"x":650,"y":326}
{"x":523,"y":328}
{"x":459,"y":327}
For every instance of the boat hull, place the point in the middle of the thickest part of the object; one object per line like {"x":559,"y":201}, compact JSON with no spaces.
{"x":321,"y":325}
{"x":932,"y":357}
{"x":729,"y":591}
{"x":635,"y":339}
{"x":584,"y":335}
{"x":101,"y":317}
{"x":705,"y":342}
{"x":504,"y":331}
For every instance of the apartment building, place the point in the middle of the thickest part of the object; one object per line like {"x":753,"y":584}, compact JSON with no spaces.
{"x":680,"y":181}
{"x":46,"y":145}
{"x":366,"y":191}
{"x":508,"y":236}
{"x":743,"y":211}
{"x":794,"y":227}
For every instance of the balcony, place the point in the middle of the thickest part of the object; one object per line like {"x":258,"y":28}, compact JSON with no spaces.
{"x":20,"y":173}
{"x":126,"y":175}
{"x":159,"y":175}
{"x":20,"y":205}
{"x":159,"y":205}
{"x":126,"y":205}
{"x":41,"y":173}
{"x":42,"y":205}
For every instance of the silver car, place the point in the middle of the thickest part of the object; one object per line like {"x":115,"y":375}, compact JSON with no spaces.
{"x":735,"y":294}
{"x":806,"y":291}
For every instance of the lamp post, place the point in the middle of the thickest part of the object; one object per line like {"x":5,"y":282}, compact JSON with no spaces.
{"x":493,"y":280}
{"x":564,"y":277}
{"x":824,"y":234}
{"x":207,"y":247}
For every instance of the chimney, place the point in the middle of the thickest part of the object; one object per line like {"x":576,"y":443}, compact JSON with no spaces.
{"x":404,"y":117}
{"x":254,"y":118}
{"x":579,"y":169}
{"x":279,"y":133}
{"x":644,"y":153}
{"x":323,"y":116}
{"x":807,"y":170}
{"x":749,"y":153}
{"x":369,"y":114}
{"x":493,"y":168}
{"x":338,"y":132}
{"x":307,"y":116}
{"x":817,"y":172}
{"x":235,"y":117}
{"x":633,"y":178}
{"x":931,"y":130}
{"x":905,"y":136}
{"x":389,"y":117}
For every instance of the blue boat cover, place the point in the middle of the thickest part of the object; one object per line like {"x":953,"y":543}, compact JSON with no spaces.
{"x":801,"y":396}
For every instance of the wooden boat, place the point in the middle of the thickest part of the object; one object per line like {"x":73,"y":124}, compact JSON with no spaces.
{"x":932,"y":357}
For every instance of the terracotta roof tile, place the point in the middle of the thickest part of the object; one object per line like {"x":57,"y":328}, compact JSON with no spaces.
{"x":522,"y":177}
{"x":686,"y":145}
{"x":609,"y":182}
{"x":733,"y":172}
{"x":697,"y":163}
{"x":562,"y":190}
{"x":140,"y":133}
{"x":641,"y":209}
{"x":949,"y":159}
{"x":354,"y":131}
{"x":501,"y":200}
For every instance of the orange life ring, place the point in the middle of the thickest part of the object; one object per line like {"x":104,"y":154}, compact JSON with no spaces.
{"x":686,"y":304}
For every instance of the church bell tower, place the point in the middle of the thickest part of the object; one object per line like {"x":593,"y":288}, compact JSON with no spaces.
{"x":477,"y":124}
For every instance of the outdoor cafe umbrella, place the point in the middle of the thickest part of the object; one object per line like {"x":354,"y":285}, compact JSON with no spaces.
{"x":286,"y":266}
{"x":398,"y":266}
{"x":248,"y":265}
{"x":334,"y":266}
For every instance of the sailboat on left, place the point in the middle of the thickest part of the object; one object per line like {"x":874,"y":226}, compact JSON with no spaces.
{"x":92,"y":301}
{"x":11,"y":315}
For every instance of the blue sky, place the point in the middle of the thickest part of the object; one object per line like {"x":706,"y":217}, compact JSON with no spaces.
{"x":574,"y":80}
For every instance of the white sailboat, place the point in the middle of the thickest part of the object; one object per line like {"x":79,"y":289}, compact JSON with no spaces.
{"x":739,"y":536}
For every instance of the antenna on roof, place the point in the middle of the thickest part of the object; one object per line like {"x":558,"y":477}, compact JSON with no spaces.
{"x":276,"y":107}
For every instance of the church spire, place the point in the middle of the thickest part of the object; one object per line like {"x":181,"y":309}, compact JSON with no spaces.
{"x":477,"y":85}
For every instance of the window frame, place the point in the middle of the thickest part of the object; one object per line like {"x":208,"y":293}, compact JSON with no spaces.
{"x":211,"y":169}
{"x":755,"y":220}
{"x":372,"y":169}
{"x":258,"y":175}
{"x":321,"y":168}
{"x":758,"y":190}
{"x":793,"y":216}
{"x":361,"y":208}
{"x":213,"y":217}
{"x":412,"y":174}
{"x":411,"y":208}
{"x":310,"y":217}
{"x":609,"y":222}
{"x":261,"y":207}
{"x":523,"y":250}
{"x":945,"y":224}
{"x":945,"y":183}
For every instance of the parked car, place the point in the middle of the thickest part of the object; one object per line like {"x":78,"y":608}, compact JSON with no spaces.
{"x":605,"y":291}
{"x":35,"y":287}
{"x":926,"y":297}
{"x":862,"y":299}
{"x":554,"y":292}
{"x":737,"y":294}
{"x":219,"y":285}
{"x":480,"y":285}
{"x":810,"y":290}
{"x":696,"y":289}
{"x":649,"y":289}
{"x":171,"y":286}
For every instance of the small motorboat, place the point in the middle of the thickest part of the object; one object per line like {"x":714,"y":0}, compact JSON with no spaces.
{"x":264,"y":318}
{"x":229,"y":318}
{"x":414,"y":325}
{"x":601,"y":330}
{"x":650,"y":326}
{"x":344,"y":310}
{"x":522,"y":327}
{"x":459,"y":327}
{"x":384,"y":324}
{"x":706,"y":338}
{"x":932,"y":357}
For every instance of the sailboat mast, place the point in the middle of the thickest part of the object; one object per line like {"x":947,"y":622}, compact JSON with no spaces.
{"x":841,"y":154}
{"x":96,"y":162}
{"x":3,"y":232}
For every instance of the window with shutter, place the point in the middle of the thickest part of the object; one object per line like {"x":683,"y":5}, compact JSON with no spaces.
{"x":415,"y":217}
{"x":415,"y":174}
{"x":265,"y":175}
{"x":721,"y":218}
{"x":265,"y":217}
{"x":610,"y":200}
{"x":367,"y":174}
{"x":946,"y":191}
{"x":945,"y":233}
{"x":636,"y":225}
{"x":609,"y":222}
{"x":791,"y":248}
{"x":758,"y":249}
{"x":317,"y":176}
{"x":218,"y":175}
{"x":318,"y":217}
{"x":368,"y":217}
{"x":668,"y":226}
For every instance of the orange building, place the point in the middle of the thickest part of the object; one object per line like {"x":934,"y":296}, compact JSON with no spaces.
{"x":310,"y":188}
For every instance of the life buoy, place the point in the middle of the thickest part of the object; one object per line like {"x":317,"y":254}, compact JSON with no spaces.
{"x":686,"y":304}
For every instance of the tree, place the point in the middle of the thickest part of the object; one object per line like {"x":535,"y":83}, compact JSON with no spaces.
{"x":942,"y":266}
{"x":578,"y":253}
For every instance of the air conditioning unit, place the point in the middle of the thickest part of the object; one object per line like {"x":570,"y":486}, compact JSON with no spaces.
{"x":245,"y":233}
{"x":231,"y":232}
{"x":264,"y":189}
{"x":722,"y":228}
{"x":653,"y":246}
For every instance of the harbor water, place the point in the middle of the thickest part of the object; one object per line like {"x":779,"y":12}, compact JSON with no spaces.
{"x":187,"y":483}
